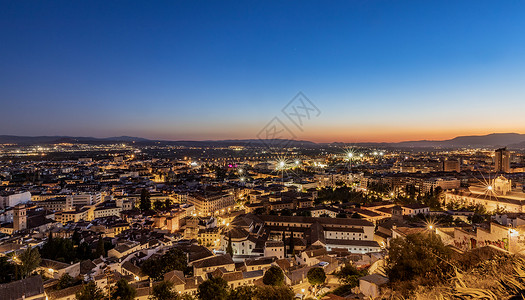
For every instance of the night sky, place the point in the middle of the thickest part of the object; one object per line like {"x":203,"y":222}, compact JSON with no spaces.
{"x":376,"y":70}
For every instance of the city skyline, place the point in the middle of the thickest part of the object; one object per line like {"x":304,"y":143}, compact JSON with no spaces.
{"x":377,"y":71}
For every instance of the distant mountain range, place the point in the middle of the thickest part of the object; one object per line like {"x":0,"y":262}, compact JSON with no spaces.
{"x":36,"y":140}
{"x":510,"y":140}
{"x":493,"y":140}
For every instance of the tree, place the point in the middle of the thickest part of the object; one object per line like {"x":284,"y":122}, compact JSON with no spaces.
{"x":476,"y":219}
{"x":284,"y":246}
{"x":145,"y":201}
{"x":163,"y":291}
{"x":246,"y":292}
{"x":83,"y":251}
{"x":124,"y":291}
{"x":261,"y":293}
{"x":273,"y":276}
{"x":174,"y":259}
{"x":215,"y":288}
{"x":220,"y":173}
{"x":100,"y":247}
{"x":8,"y":272}
{"x":65,"y":281}
{"x":90,"y":291}
{"x":167,"y":204}
{"x":349,"y":275}
{"x":316,"y":276}
{"x":29,"y":261}
{"x":59,"y":249}
{"x":229,"y":248}
{"x":419,"y":256}
{"x":158,"y":205}
{"x":76,"y":238}
{"x":273,"y":293}
{"x":356,"y":216}
{"x":291,"y":244}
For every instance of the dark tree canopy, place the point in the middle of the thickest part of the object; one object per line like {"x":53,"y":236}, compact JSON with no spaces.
{"x":273,"y":276}
{"x":123,"y":291}
{"x":215,"y":288}
{"x":316,"y":276}
{"x":274,"y":293}
{"x":174,"y":259}
{"x":29,"y":261}
{"x":419,"y":256}
{"x":349,"y":275}
{"x":163,"y":291}
{"x":145,"y":201}
{"x":8,"y":270}
{"x":261,"y":293}
{"x":291,"y":244}
{"x":59,"y":249}
{"x":101,"y":250}
{"x":229,"y":247}
{"x":90,"y":291}
{"x":65,"y":281}
{"x":246,"y":292}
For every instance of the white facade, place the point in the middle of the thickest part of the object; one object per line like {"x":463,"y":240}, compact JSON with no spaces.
{"x":14,"y":199}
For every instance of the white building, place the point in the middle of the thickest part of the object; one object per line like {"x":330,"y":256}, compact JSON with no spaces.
{"x":13,"y":199}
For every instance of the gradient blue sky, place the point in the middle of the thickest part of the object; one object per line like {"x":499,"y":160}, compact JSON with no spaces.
{"x":377,"y":70}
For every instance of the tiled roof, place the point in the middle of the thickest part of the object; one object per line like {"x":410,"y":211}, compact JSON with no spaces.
{"x":357,"y":243}
{"x":28,"y":287}
{"x":219,"y":260}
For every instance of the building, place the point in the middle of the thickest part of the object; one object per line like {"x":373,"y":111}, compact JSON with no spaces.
{"x":53,"y":204}
{"x":13,"y":199}
{"x":30,"y":288}
{"x":451,"y":166}
{"x":209,"y":264}
{"x":499,"y":195}
{"x":501,"y":185}
{"x":371,"y":285}
{"x":444,"y":183}
{"x":502,"y":160}
{"x":207,"y":204}
{"x":415,"y":209}
{"x":19,"y":217}
{"x":82,"y":199}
